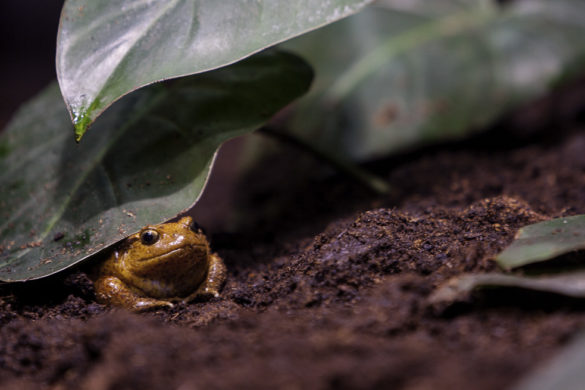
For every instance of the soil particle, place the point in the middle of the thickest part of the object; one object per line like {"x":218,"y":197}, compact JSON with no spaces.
{"x":328,"y":290}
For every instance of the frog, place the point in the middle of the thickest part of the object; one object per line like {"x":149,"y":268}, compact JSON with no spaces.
{"x":159,"y":266}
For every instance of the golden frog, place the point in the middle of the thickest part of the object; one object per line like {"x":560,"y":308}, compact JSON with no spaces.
{"x":160,"y":265}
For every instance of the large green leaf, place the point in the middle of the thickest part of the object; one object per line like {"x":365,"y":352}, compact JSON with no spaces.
{"x":543,"y":241}
{"x":403,"y":73}
{"x":147,"y":160}
{"x":106,"y":49}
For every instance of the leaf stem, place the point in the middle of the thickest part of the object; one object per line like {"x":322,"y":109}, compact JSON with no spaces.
{"x":373,"y":182}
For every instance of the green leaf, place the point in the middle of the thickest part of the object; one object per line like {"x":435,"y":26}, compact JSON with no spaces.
{"x":106,"y":49}
{"x":401,"y":74}
{"x":569,"y":284}
{"x":147,"y":160}
{"x":543,"y":241}
{"x":565,"y":371}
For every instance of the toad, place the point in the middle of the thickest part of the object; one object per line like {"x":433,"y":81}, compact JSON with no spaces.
{"x":159,"y":265}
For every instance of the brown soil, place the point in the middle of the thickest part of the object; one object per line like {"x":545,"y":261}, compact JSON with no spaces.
{"x":328,"y":283}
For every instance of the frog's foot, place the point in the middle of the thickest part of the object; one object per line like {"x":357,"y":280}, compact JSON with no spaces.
{"x":214,"y":281}
{"x":150,"y":304}
{"x":203,"y":293}
{"x":111,"y":290}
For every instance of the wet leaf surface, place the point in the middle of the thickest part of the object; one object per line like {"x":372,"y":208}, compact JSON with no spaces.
{"x":108,"y":49}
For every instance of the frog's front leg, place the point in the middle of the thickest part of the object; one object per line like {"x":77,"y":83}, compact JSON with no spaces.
{"x":111,"y":290}
{"x":215,"y":279}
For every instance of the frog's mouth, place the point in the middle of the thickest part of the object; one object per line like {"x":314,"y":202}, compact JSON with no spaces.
{"x":173,"y":253}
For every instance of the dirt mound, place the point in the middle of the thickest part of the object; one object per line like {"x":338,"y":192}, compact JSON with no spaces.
{"x":330,"y":294}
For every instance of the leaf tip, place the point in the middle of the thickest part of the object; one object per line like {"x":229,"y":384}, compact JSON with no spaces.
{"x":78,"y":135}
{"x":82,"y":119}
{"x":80,"y":122}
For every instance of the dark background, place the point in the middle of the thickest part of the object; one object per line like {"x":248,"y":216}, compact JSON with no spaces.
{"x":28,"y":31}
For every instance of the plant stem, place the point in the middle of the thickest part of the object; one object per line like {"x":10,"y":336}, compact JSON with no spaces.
{"x":373,"y":182}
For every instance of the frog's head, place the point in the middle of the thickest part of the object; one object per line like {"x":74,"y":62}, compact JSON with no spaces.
{"x":172,"y":253}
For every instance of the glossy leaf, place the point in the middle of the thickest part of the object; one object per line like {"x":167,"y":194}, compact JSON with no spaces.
{"x":106,"y":49}
{"x":543,"y":241}
{"x":147,"y":160}
{"x":405,"y":73}
{"x":570,"y":284}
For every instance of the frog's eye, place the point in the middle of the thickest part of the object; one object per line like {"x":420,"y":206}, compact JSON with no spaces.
{"x":149,"y":237}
